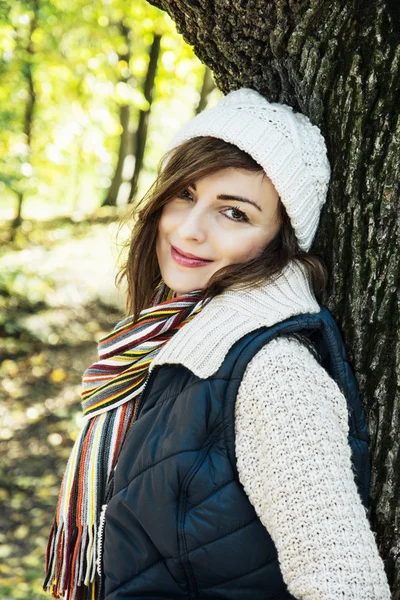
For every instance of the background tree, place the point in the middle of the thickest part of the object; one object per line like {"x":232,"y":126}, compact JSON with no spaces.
{"x":338,"y":62}
{"x":125,"y":140}
{"x":72,"y":96}
{"x":27,"y":68}
{"x":143,"y":125}
{"x":19,"y":165}
{"x":207,"y":87}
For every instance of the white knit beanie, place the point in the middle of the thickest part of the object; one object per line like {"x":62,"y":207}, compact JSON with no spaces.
{"x":284,"y":143}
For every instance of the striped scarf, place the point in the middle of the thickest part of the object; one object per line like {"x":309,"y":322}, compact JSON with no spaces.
{"x":111,"y":389}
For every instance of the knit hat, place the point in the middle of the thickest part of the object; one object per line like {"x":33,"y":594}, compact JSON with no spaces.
{"x":284,"y":143}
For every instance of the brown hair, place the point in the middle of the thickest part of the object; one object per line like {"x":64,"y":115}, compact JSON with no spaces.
{"x":190,"y":161}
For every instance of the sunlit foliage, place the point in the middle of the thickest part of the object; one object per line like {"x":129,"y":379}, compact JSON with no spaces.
{"x":61,"y":90}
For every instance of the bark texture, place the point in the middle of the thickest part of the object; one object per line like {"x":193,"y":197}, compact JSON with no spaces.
{"x":339,"y":63}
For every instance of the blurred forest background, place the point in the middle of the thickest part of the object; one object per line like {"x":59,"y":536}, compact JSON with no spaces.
{"x":90,"y":94}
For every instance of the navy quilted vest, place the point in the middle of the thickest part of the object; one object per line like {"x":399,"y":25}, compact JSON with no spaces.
{"x":179,"y":524}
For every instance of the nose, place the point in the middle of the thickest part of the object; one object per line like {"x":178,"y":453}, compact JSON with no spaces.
{"x":193,"y":225}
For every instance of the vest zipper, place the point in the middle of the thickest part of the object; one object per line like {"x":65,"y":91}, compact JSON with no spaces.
{"x":141,"y":399}
{"x":100,"y":536}
{"x":99,"y":558}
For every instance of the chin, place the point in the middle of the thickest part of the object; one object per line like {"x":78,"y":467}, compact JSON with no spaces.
{"x":180,"y":290}
{"x":181,"y":287}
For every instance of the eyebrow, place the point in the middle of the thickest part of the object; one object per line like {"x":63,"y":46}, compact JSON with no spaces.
{"x":235,"y":198}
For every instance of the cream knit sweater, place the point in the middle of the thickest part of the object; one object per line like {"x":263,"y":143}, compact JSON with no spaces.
{"x":293,"y":455}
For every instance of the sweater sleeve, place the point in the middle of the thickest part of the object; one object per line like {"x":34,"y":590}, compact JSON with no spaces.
{"x":294,"y":462}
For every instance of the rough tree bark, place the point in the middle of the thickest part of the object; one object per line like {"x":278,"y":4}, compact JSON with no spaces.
{"x":338,"y":62}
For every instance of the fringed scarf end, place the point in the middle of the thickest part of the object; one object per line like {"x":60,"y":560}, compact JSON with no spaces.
{"x":69,"y":558}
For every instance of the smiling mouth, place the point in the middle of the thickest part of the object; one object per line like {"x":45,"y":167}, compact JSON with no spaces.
{"x":186,"y":261}
{"x":189,"y":255}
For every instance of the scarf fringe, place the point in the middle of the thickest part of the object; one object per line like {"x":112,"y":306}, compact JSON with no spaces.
{"x":72,"y":555}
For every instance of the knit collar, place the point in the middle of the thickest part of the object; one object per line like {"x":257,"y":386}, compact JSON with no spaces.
{"x":202,"y":344}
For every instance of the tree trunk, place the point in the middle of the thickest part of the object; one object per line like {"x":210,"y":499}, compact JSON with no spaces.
{"x":125,"y":140}
{"x":18,"y":216}
{"x":339,"y":63}
{"x":206,"y":89}
{"x":141,"y":132}
{"x":29,"y":110}
{"x":123,"y":152}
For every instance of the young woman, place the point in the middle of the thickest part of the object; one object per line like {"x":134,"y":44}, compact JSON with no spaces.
{"x":225,"y":450}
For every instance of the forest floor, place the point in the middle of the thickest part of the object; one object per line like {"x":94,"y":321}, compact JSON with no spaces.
{"x":57,"y":298}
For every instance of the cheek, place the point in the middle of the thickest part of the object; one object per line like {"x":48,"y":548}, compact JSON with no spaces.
{"x":246,"y":248}
{"x":162,"y":232}
{"x":168,"y":219}
{"x":254,"y":251}
{"x":245,"y":244}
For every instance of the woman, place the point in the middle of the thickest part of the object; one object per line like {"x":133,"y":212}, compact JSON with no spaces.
{"x":225,"y":443}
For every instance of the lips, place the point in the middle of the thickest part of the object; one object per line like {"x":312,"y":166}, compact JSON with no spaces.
{"x":189,"y":255}
{"x":187,"y":261}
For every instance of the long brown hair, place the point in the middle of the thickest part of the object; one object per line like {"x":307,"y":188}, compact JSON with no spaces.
{"x":190,"y":161}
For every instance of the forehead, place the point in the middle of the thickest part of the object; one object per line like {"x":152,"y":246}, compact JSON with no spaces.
{"x":254,"y":185}
{"x":233,"y":176}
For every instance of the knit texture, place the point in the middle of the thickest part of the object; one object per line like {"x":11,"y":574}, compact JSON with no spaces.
{"x":293,"y":454}
{"x":294,"y":462}
{"x":204,"y":342}
{"x":290,"y":149}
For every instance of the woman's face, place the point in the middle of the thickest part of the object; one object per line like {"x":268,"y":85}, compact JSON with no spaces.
{"x":227,"y":217}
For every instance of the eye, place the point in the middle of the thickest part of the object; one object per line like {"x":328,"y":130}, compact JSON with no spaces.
{"x":185,"y":194}
{"x":242,"y":215}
